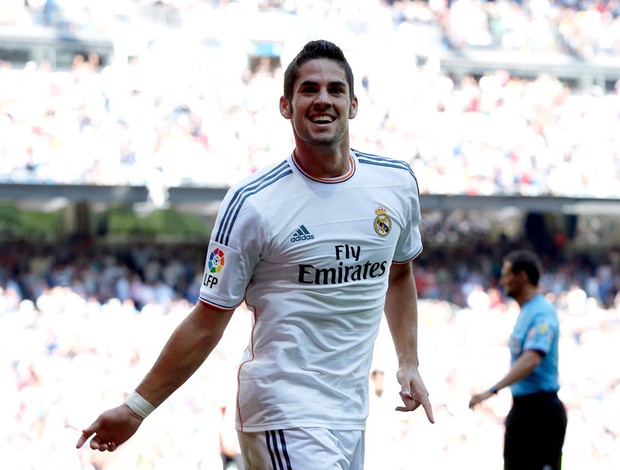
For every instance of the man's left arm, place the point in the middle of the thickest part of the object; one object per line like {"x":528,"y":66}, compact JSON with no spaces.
{"x":401,"y":312}
{"x":522,"y":367}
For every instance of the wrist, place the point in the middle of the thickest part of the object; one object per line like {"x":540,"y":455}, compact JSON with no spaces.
{"x":493,"y":390}
{"x":139,"y":405}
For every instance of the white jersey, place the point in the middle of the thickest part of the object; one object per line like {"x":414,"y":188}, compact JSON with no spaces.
{"x":311,"y":258}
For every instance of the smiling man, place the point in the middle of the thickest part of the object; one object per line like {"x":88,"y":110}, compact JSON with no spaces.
{"x":319,"y":246}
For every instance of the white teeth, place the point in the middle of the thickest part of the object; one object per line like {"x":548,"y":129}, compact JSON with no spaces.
{"x":322,"y":119}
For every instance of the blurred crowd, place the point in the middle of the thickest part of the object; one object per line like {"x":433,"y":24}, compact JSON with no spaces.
{"x":464,"y":274}
{"x":159,"y":116}
{"x":80,"y":326}
{"x":81,"y":322}
{"x":588,"y":28}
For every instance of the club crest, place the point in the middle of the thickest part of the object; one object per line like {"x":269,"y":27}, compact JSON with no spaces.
{"x":383,"y":223}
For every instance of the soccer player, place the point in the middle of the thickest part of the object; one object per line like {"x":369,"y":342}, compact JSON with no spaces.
{"x":536,"y":422}
{"x":318,"y":246}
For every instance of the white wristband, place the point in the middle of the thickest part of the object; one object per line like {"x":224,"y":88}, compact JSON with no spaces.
{"x":138,"y":404}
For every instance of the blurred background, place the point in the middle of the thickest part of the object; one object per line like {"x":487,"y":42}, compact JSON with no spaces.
{"x":122,"y":124}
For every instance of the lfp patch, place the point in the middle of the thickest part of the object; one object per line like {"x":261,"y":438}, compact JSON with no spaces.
{"x":216,"y":261}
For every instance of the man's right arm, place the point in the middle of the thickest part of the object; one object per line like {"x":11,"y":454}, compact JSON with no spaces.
{"x":188,"y":347}
{"x":185,"y":351}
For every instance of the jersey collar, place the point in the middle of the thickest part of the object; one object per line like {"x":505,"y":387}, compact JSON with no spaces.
{"x":337,"y":179}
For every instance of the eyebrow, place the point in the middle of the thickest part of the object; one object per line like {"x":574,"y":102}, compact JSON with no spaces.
{"x":314,"y":83}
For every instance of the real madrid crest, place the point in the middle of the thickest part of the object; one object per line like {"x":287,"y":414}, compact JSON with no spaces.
{"x":383,"y":223}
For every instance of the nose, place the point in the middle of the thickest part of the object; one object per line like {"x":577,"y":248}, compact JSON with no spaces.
{"x":323,"y":97}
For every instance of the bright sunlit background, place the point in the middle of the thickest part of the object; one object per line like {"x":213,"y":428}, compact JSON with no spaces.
{"x":173,"y":101}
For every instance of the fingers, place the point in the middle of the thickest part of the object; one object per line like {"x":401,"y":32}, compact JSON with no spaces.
{"x":86,"y":433}
{"x":428,"y":409}
{"x":102,"y":446}
{"x":477,"y":399}
{"x":411,"y":403}
{"x":96,"y":443}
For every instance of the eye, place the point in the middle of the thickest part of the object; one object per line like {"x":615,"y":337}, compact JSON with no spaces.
{"x":337,"y":90}
{"x":308,"y":88}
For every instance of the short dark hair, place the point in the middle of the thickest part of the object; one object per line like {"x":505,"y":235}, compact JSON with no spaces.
{"x":526,"y":261}
{"x":318,"y":49}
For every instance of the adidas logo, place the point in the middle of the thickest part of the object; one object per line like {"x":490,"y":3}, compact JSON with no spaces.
{"x":301,"y":233}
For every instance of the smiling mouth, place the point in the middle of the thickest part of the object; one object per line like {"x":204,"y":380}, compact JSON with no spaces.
{"x":322,"y":119}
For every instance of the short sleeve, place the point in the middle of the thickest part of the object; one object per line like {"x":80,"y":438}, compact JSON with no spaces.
{"x":234,"y":250}
{"x":540,"y":335}
{"x":409,"y":244}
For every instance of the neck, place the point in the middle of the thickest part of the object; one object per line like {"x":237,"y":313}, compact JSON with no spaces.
{"x":526,"y":295}
{"x":327,"y":163}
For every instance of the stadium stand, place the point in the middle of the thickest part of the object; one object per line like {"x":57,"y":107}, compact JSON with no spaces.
{"x":167,"y":103}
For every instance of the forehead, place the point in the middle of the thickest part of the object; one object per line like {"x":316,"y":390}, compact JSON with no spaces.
{"x":321,"y":71}
{"x":506,"y":266}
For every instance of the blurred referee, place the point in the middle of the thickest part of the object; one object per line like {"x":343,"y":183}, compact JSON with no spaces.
{"x":536,"y":423}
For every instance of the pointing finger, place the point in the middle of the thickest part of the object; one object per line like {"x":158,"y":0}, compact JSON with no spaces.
{"x":426,"y":404}
{"x":86,"y":433}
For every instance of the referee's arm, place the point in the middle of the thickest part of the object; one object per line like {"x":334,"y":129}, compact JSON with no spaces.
{"x":522,"y":367}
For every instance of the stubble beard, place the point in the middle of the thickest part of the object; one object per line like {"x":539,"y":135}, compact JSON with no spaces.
{"x":321,"y":142}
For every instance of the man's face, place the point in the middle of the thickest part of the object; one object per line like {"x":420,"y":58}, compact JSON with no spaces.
{"x":511,"y":282}
{"x":321,"y":106}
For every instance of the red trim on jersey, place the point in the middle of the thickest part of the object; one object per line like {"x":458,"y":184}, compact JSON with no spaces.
{"x":253,"y":309}
{"x":219,"y":307}
{"x":337,"y":179}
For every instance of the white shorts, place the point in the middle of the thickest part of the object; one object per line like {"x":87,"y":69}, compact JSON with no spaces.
{"x":302,"y":449}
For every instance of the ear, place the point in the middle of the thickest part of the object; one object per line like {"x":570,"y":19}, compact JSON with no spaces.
{"x":285,"y":108}
{"x":353,"y":108}
{"x":522,"y":276}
